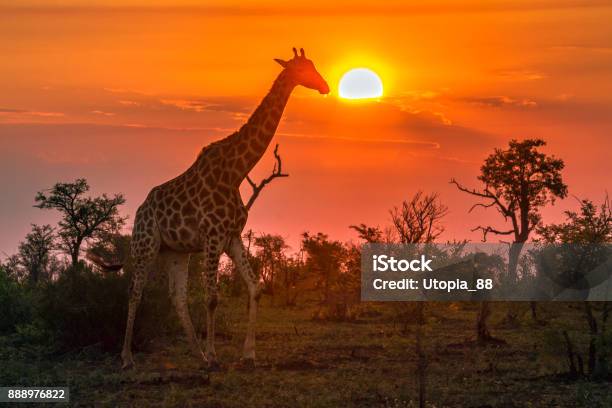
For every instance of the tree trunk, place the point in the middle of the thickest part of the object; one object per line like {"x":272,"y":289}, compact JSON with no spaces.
{"x":534,"y":312}
{"x":573,"y":372}
{"x":74,"y":256}
{"x":482,"y":330}
{"x":75,"y":251}
{"x":421,"y":358}
{"x":513,"y":260}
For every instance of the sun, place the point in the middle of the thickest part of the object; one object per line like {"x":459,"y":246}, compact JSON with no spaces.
{"x":360,"y":83}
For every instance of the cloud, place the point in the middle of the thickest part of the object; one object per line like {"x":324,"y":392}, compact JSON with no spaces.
{"x":520,"y":75}
{"x":9,"y":110}
{"x":184,"y":104}
{"x":17,"y":114}
{"x":583,"y":48}
{"x":197,"y":105}
{"x":359,"y":8}
{"x":501,"y":101}
{"x":103,"y":113}
{"x":128,"y":103}
{"x":415,"y":143}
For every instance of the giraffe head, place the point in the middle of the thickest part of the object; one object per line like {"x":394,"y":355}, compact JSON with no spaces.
{"x":303,"y":72}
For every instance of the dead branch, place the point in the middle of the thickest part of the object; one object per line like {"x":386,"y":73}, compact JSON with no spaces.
{"x":487,"y":229}
{"x":507,"y":211}
{"x":276,"y":172}
{"x":486,"y":194}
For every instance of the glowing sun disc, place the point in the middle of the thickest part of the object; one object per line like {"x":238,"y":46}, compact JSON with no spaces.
{"x":360,"y":83}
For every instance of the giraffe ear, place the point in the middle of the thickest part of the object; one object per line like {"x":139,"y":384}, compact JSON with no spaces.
{"x":281,"y":62}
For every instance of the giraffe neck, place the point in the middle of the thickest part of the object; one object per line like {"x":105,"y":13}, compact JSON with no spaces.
{"x":253,"y":138}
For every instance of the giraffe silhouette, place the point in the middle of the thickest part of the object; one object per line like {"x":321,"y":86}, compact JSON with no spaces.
{"x":201,"y":210}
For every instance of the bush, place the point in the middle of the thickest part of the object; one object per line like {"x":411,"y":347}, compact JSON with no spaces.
{"x":15,"y":304}
{"x":84,"y":308}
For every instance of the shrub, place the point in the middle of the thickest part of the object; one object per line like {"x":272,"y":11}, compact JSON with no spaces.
{"x":83,"y":308}
{"x":14,"y":303}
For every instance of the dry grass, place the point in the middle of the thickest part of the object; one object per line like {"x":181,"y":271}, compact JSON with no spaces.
{"x":368,"y":362}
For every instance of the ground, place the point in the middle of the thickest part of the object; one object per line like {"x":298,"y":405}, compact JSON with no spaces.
{"x":303,"y":362}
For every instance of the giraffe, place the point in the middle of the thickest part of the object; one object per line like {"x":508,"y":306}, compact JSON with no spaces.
{"x":201,"y":210}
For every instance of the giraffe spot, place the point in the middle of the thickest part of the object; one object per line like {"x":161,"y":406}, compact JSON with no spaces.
{"x":223,"y":190}
{"x":218,"y":198}
{"x":188,"y":209}
{"x":184,"y":234}
{"x":254,"y":145}
{"x":175,"y":220}
{"x":270,"y":126}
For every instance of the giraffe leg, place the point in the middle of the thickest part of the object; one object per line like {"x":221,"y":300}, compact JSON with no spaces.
{"x":177,"y":265}
{"x":212,"y":253}
{"x":237,"y":253}
{"x":145,"y":247}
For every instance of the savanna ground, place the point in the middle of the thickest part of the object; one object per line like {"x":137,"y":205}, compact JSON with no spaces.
{"x":370,"y":361}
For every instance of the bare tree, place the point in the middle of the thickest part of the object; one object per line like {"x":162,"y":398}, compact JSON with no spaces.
{"x":277,"y":172}
{"x":418,"y":220}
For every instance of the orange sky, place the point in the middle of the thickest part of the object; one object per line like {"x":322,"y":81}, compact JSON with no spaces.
{"x":126,"y":94}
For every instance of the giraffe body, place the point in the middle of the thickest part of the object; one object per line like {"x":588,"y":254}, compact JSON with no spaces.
{"x":201,"y":210}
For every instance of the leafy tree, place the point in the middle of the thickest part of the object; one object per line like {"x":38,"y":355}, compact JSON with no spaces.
{"x":15,"y":304}
{"x":324,"y":259}
{"x":589,"y":231}
{"x":83,"y":218}
{"x":292,"y":276}
{"x":518,"y":182}
{"x":590,"y":225}
{"x":35,"y":252}
{"x":14,"y":269}
{"x":367,"y":233}
{"x":270,"y":249}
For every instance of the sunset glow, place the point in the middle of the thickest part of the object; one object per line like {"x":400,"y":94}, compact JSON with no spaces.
{"x":360,"y":83}
{"x":127,"y":98}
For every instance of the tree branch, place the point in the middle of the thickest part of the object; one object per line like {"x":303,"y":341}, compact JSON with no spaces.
{"x":487,"y":229}
{"x":276,"y":172}
{"x":486,"y":193}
